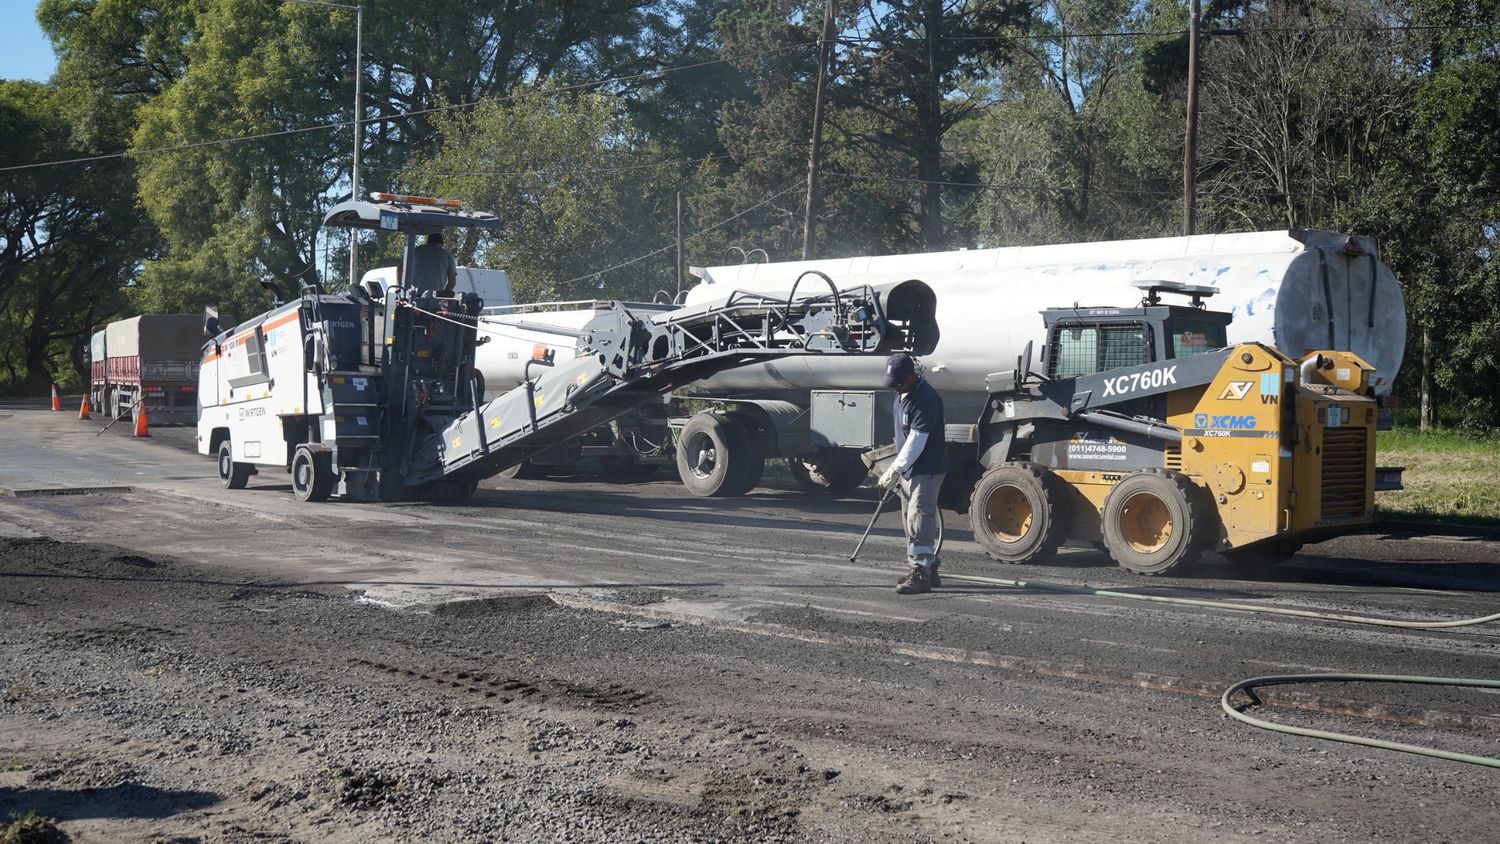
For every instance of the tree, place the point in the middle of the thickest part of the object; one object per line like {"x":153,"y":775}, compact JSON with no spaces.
{"x":909,"y":60}
{"x":576,"y":188}
{"x":65,"y":237}
{"x":1077,"y":147}
{"x":1298,"y":114}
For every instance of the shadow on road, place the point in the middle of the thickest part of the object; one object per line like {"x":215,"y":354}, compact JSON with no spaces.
{"x":126,"y":800}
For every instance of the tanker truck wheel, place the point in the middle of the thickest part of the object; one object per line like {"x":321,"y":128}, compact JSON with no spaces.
{"x":312,"y":475}
{"x":1016,"y":513}
{"x":1153,"y":521}
{"x":834,"y":471}
{"x":231,"y":474}
{"x":755,"y":438}
{"x":714,"y":456}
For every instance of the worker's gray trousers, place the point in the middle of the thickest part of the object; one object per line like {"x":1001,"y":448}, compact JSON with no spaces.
{"x":922,"y":517}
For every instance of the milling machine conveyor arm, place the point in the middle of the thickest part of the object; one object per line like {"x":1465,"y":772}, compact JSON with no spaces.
{"x":624,"y":361}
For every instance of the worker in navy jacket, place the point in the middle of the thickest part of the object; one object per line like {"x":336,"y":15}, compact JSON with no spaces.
{"x":920,"y":465}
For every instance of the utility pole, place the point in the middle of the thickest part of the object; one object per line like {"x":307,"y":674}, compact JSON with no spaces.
{"x":1190,"y":144}
{"x":359,"y":103}
{"x":681,"y":268}
{"x":359,"y":90}
{"x":815,"y":157}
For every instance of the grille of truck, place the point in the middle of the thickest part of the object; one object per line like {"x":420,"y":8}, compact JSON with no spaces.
{"x":1344,"y":473}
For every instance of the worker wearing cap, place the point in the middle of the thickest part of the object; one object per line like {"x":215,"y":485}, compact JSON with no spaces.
{"x":432,"y":267}
{"x":920,"y":464}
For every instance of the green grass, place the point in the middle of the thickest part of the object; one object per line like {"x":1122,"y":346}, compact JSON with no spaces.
{"x":1450,"y":477}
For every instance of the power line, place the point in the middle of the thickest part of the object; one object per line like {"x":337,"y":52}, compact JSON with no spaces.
{"x":1223,"y":31}
{"x":704,"y":230}
{"x":650,"y":74}
{"x":1001,"y":186}
{"x":619,"y":169}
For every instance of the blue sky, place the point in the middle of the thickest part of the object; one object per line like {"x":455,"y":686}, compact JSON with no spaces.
{"x":25,"y":53}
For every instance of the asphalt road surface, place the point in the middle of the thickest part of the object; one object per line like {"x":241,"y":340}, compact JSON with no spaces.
{"x":574,"y":660}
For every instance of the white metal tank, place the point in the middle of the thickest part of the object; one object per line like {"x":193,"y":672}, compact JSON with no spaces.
{"x":502,"y":358}
{"x":1297,"y":290}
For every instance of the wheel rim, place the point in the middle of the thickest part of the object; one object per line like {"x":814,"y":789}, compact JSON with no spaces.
{"x":1145,"y":523}
{"x":224,"y":464}
{"x":301,"y":475}
{"x":705,"y":457}
{"x":1008,"y":514}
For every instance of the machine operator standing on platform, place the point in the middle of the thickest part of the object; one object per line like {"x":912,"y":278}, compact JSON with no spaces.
{"x":920,"y":464}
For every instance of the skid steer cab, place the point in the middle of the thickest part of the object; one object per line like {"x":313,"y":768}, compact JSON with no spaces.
{"x":1142,"y":434}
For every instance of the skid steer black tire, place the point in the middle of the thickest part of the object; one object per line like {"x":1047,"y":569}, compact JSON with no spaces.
{"x":714,"y":456}
{"x":1017,"y":513}
{"x":1154,"y":521}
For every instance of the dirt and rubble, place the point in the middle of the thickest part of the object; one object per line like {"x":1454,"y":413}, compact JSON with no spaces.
{"x":158,"y":699}
{"x":572,"y":660}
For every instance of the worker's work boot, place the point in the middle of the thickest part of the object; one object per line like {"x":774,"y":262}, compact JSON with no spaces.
{"x":917,"y":582}
{"x":931,"y":565}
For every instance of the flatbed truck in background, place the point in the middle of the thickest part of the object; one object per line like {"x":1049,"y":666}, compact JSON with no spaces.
{"x":150,"y":362}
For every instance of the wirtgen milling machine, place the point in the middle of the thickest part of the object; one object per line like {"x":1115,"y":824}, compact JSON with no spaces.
{"x":380,"y":400}
{"x":1239,"y":450}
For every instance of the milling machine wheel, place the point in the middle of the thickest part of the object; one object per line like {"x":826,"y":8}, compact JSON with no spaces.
{"x":714,"y":455}
{"x":231,"y":474}
{"x":1154,"y":521}
{"x":834,"y":471}
{"x":1017,"y":513}
{"x":312,"y":474}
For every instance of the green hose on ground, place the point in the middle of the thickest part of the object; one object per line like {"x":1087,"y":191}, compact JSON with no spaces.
{"x":1246,"y":685}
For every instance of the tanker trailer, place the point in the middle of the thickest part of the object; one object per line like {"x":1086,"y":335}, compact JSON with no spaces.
{"x":1297,"y":290}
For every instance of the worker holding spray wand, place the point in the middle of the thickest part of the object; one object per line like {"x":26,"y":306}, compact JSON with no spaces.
{"x":920,"y":464}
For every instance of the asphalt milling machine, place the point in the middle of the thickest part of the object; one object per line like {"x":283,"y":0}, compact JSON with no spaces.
{"x":379,"y":399}
{"x":1145,"y":436}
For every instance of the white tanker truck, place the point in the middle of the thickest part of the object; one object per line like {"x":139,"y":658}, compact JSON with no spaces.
{"x":1297,"y":290}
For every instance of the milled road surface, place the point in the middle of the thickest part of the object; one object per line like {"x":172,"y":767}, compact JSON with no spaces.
{"x":570,"y":660}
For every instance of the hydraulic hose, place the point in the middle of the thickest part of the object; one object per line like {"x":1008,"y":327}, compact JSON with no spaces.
{"x":1284,"y":679}
{"x":1039,"y":586}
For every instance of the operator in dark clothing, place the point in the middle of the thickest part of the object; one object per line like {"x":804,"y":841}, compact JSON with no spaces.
{"x":920,"y":465}
{"x":432,"y":267}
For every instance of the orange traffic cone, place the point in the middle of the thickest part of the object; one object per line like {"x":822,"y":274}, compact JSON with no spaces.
{"x":83,"y":408}
{"x":140,"y":422}
{"x":56,"y":402}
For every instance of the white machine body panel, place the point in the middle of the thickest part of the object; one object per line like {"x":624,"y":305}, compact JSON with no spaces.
{"x":988,"y":300}
{"x":235,"y":387}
